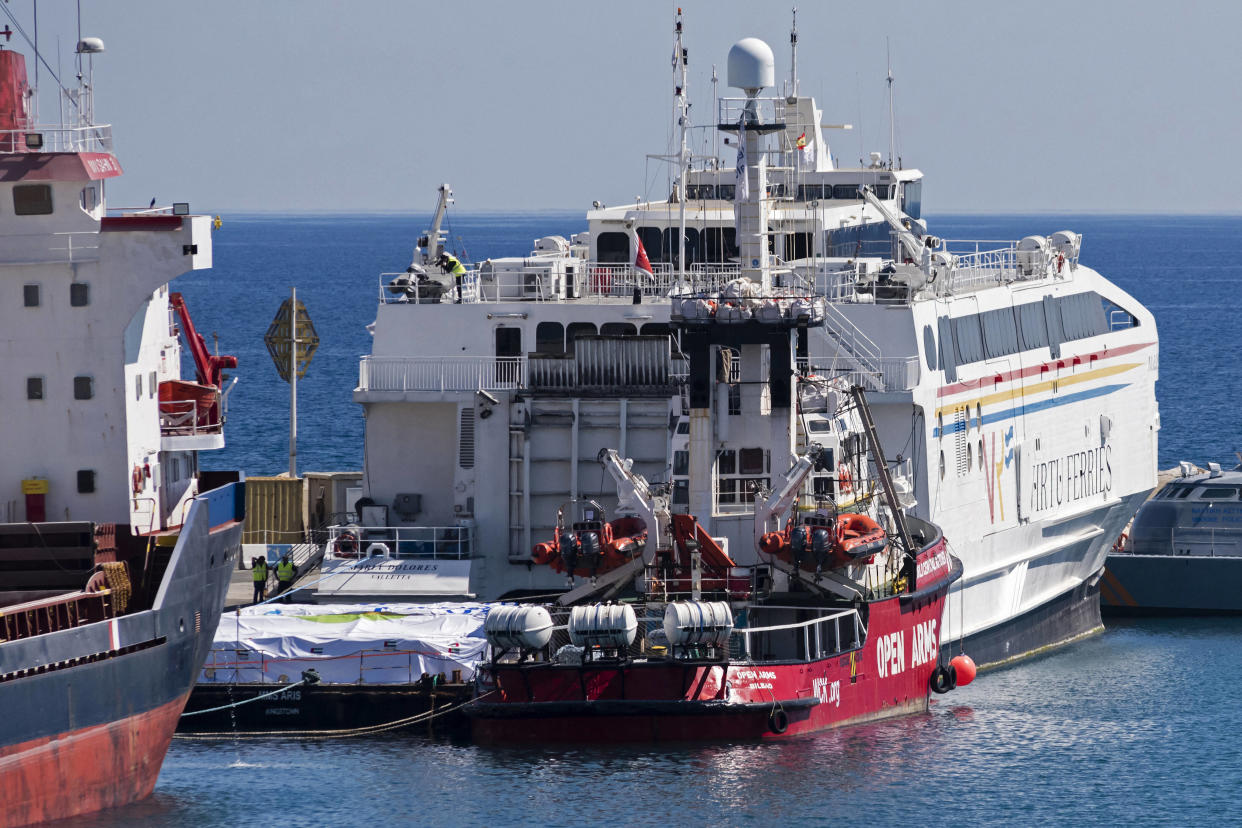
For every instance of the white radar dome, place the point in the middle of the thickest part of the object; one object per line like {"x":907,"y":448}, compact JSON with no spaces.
{"x":751,"y":65}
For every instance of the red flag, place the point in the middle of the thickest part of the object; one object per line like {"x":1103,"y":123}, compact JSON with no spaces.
{"x":641,"y":261}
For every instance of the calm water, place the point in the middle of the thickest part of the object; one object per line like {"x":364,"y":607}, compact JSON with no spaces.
{"x":1136,"y":725}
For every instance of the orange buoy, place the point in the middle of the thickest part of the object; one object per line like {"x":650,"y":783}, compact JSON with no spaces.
{"x":965,"y":668}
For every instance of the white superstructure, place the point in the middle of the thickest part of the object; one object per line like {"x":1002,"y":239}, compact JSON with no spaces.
{"x":1012,"y":386}
{"x":97,"y":423}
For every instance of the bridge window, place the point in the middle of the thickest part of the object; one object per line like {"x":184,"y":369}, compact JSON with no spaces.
{"x":32,"y":199}
{"x":1219,"y":493}
{"x":669,"y":249}
{"x":30,"y":296}
{"x":79,"y":294}
{"x":1082,"y":315}
{"x":612,"y":248}
{"x":618,"y":329}
{"x":1000,"y":333}
{"x":797,"y":246}
{"x":1118,"y":317}
{"x":653,"y":243}
{"x":83,"y":388}
{"x":968,"y":339}
{"x":848,"y":191}
{"x":549,"y":338}
{"x":34,"y":388}
{"x":576,"y":330}
{"x":912,"y":198}
{"x":1032,"y":327}
{"x":719,"y":245}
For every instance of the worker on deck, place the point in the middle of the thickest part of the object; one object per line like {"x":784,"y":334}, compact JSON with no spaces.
{"x":258,"y":570}
{"x":285,"y":570}
{"x":451,"y":264}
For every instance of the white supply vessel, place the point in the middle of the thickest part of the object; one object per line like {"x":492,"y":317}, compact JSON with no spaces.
{"x":1017,"y":384}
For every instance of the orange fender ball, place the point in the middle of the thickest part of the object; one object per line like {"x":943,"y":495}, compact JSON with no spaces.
{"x":965,"y":668}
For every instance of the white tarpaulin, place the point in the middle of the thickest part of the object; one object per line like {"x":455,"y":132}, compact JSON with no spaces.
{"x":347,"y":643}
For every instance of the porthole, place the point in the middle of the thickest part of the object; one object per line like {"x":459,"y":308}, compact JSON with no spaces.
{"x":979,"y":419}
{"x":942,"y":465}
{"x":980,"y":453}
{"x":970,"y":457}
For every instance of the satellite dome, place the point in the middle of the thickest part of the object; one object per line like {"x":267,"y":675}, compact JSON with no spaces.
{"x":751,"y":65}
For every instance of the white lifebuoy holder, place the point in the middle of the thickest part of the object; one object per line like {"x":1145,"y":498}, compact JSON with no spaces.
{"x":377,"y":550}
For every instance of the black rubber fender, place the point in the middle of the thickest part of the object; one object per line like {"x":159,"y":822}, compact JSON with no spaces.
{"x":943,"y":679}
{"x":778,"y":720}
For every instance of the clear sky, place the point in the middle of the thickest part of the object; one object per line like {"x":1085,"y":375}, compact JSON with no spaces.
{"x":314,"y":106}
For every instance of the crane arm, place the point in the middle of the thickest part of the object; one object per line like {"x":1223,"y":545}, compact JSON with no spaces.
{"x":634,"y":496}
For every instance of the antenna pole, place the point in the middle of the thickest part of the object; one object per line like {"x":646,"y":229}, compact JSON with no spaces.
{"x":891,"y":143}
{"x":293,"y":384}
{"x":793,"y":51}
{"x":36,"y":63}
{"x":680,"y":60}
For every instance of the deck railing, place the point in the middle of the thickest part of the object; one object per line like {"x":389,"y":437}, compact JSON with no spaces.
{"x":57,"y":138}
{"x":446,"y":373}
{"x":402,"y":542}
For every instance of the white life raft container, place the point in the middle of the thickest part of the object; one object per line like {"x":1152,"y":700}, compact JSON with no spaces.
{"x":520,"y":627}
{"x":698,"y":622}
{"x":603,"y":625}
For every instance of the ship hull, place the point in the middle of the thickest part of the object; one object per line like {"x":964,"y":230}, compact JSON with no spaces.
{"x":105,"y":697}
{"x":1063,"y":620}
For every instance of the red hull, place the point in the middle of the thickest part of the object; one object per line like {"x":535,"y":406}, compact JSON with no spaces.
{"x":86,"y":770}
{"x":667,"y":699}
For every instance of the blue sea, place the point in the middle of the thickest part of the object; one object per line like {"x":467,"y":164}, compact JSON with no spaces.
{"x":1137,"y":725}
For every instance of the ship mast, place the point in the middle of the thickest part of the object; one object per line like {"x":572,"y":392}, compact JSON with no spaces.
{"x":680,"y":59}
{"x":793,"y":54}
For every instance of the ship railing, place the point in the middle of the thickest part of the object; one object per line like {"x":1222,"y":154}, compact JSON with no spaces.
{"x":57,"y":138}
{"x":822,"y":637}
{"x":401,"y":542}
{"x":442,"y":373}
{"x":888,"y":374}
{"x":185,"y":417}
{"x":831,"y":633}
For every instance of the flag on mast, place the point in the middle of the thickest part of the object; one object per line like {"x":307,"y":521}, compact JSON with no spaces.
{"x":641,"y":262}
{"x":806,"y":150}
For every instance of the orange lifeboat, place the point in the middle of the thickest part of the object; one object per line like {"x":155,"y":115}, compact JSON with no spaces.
{"x":821,"y":542}
{"x":591,"y":547}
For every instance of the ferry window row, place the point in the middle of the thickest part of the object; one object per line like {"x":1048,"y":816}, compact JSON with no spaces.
{"x":1046,"y":324}
{"x":79,"y":295}
{"x":555,"y":338}
{"x":713,"y":245}
{"x":1202,"y":492}
{"x":826,"y":192}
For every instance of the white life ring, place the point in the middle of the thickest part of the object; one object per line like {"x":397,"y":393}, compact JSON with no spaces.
{"x":377,"y":549}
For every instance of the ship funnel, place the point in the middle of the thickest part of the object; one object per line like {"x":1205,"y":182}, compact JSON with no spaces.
{"x":751,"y":66}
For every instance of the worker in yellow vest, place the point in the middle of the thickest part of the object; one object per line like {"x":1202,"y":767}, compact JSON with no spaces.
{"x":258,"y":570}
{"x":451,"y":265}
{"x":285,"y":570}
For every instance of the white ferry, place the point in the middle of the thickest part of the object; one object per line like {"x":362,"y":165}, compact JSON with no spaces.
{"x":1017,"y":384}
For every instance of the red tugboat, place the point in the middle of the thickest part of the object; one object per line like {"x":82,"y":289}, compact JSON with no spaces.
{"x":115,"y":552}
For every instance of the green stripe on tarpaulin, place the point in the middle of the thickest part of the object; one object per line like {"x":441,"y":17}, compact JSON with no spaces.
{"x":345,"y":618}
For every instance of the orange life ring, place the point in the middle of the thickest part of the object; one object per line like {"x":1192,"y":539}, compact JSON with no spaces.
{"x":347,"y":545}
{"x":844,"y":482}
{"x":1119,"y":545}
{"x":137,"y":479}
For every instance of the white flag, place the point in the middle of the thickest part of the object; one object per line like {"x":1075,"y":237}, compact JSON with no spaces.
{"x":741,"y":191}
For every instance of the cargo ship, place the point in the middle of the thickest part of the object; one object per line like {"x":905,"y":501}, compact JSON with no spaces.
{"x":115,"y":550}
